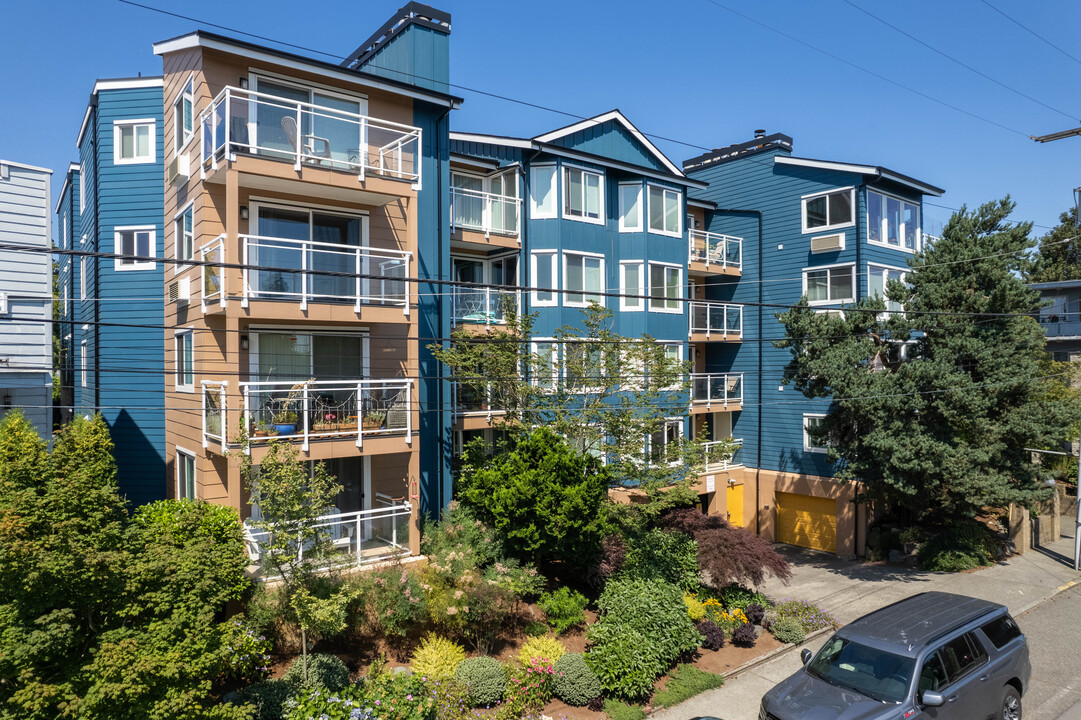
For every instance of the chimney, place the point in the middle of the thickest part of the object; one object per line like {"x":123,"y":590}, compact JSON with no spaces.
{"x":759,"y":134}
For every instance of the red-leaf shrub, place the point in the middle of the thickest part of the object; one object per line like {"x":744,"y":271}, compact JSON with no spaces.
{"x":613,"y":553}
{"x":744,"y":635}
{"x":712,"y":634}
{"x":729,"y":554}
{"x":755,"y":613}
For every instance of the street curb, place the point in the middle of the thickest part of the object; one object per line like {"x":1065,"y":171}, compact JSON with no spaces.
{"x":776,"y":652}
{"x":1036,"y":603}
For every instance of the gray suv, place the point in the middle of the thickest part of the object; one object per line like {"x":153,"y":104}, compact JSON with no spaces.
{"x":934,"y":655}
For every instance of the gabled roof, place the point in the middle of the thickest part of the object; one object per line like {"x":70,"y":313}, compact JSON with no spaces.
{"x":877,"y":170}
{"x":621,"y":119}
{"x":72,"y":169}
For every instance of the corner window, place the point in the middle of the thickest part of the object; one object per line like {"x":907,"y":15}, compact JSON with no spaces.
{"x":546,"y":365}
{"x":812,"y":443}
{"x":893,"y":222}
{"x":133,"y":142}
{"x":664,"y":211}
{"x":829,"y":284}
{"x":826,"y":211}
{"x":185,"y":360}
{"x":631,"y":283}
{"x":582,"y":195}
{"x":877,"y":278}
{"x":136,"y":244}
{"x":664,"y":442}
{"x":630,"y":207}
{"x":583,"y":279}
{"x":185,"y":475}
{"x":542,"y":191}
{"x":185,"y":236}
{"x":664,"y":288}
{"x":543,"y":278}
{"x":183,"y":114}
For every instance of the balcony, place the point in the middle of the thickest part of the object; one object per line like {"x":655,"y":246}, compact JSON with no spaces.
{"x":715,"y":253}
{"x":484,"y":306}
{"x":307,"y":135}
{"x":358,"y":538}
{"x":716,"y":321}
{"x":717,"y":459}
{"x":473,"y":410}
{"x":485,"y":212}
{"x":716,"y":391}
{"x":1065,"y":326}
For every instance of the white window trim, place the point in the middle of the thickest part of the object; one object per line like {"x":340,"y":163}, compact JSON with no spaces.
{"x":679,"y":213}
{"x":177,"y":360}
{"x":826,"y":228}
{"x":900,"y":229}
{"x":556,"y":366}
{"x":642,"y":290}
{"x":135,"y":264}
{"x":584,"y":293}
{"x":82,"y":278}
{"x":679,"y":358}
{"x":831,"y":301}
{"x":82,"y":199}
{"x":535,"y":211}
{"x":194,"y":474}
{"x":178,"y":231}
{"x":178,"y":118}
{"x":599,"y":220}
{"x":679,"y":284}
{"x":137,"y":160}
{"x":665,"y":423}
{"x":807,"y":447}
{"x":534,"y":257}
{"x":639,"y":225}
{"x":904,"y":272}
{"x":82,"y":362}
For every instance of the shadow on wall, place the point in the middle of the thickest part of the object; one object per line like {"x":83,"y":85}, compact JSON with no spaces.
{"x":140,"y":462}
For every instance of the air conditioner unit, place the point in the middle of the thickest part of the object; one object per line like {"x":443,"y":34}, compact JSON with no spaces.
{"x":828,"y":243}
{"x":178,"y":169}
{"x":180,"y":291}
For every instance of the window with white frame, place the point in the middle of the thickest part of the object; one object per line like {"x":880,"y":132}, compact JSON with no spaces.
{"x":665,"y":284}
{"x":485,"y":202}
{"x":84,"y":178}
{"x":82,"y":363}
{"x":674,"y":353}
{"x":137,"y":242}
{"x":583,"y":196}
{"x":542,"y":191}
{"x":134,"y":142}
{"x":583,"y":279}
{"x":82,"y":278}
{"x":185,"y":475}
{"x":664,"y":442}
{"x":185,"y":360}
{"x":542,"y":276}
{"x":546,"y":364}
{"x":630,"y":207}
{"x":810,"y":443}
{"x":185,"y":234}
{"x":892,"y":222}
{"x":583,"y":365}
{"x":664,"y":210}
{"x":829,"y":210}
{"x":183,"y":114}
{"x":64,"y":233}
{"x":631,"y":283}
{"x":877,"y":278}
{"x":834,"y":284}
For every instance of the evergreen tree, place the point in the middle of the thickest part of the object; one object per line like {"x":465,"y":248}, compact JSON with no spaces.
{"x":1059,"y":254}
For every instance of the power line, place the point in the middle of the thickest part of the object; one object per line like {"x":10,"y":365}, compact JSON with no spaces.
{"x":1030,"y":31}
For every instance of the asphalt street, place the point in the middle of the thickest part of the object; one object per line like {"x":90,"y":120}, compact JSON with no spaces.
{"x":1053,"y":630}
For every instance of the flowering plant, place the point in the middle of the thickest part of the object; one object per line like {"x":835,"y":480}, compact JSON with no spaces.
{"x":247,"y":651}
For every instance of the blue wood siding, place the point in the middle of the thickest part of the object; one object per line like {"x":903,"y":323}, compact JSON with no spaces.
{"x":417,"y":55}
{"x":611,"y":140}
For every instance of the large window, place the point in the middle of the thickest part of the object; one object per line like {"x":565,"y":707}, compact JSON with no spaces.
{"x":812,"y":443}
{"x":546,"y":366}
{"x":664,"y":442}
{"x":665,"y":288}
{"x":137,"y":242}
{"x":185,"y":234}
{"x":185,"y":360}
{"x":185,"y":475}
{"x":583,"y":279}
{"x":631,"y":282}
{"x":583,"y":197}
{"x":893,"y":222}
{"x":664,"y":211}
{"x":133,"y":142}
{"x":829,"y":284}
{"x":485,"y":202}
{"x":183,"y":114}
{"x":877,"y":278}
{"x":542,"y":191}
{"x":630,"y":207}
{"x":826,"y":211}
{"x":543,"y":278}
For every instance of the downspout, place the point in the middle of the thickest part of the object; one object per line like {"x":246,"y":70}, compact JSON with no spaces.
{"x":440,"y":391}
{"x":758,"y":429}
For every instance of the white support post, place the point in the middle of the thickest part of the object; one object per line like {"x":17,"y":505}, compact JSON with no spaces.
{"x":247,"y":418}
{"x":221,"y":272}
{"x":224,"y":417}
{"x":227,"y":146}
{"x":409,"y":414}
{"x":360,"y":537}
{"x":356,"y":290}
{"x":307,"y":413}
{"x":202,"y":389}
{"x":406,"y":284}
{"x":305,"y":248}
{"x":244,"y":271}
{"x":360,"y":416}
{"x":300,"y":137}
{"x":362,"y":154}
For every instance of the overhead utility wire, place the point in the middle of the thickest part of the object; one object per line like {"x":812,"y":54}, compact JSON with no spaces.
{"x":1030,"y":31}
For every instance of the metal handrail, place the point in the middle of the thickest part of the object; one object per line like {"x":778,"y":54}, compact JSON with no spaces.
{"x":716,"y":318}
{"x":715,"y":249}
{"x":483,"y":304}
{"x":722,"y":388}
{"x":212,"y":278}
{"x":729,"y":460}
{"x":489,"y":202}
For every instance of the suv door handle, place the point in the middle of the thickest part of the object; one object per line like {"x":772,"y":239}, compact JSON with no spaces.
{"x":951,"y":699}
{"x":983,"y":678}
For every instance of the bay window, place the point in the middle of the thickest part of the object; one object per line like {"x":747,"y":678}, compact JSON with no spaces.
{"x":829,"y":284}
{"x":542,"y":191}
{"x":893,"y":222}
{"x":664,"y":442}
{"x":631,"y":283}
{"x":543,"y":278}
{"x":630,"y":207}
{"x":545,"y":364}
{"x":665,"y":284}
{"x":583,"y":198}
{"x":583,"y":279}
{"x":877,"y":278}
{"x":664,"y":211}
{"x":829,"y":210}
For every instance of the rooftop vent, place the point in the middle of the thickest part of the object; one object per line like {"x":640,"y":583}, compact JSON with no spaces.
{"x":759,"y":134}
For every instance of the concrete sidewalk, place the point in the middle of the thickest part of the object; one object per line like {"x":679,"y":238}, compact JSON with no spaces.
{"x":849,"y":590}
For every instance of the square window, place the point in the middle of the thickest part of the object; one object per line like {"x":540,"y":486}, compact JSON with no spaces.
{"x":826,"y":211}
{"x":583,"y":279}
{"x":133,"y":142}
{"x":665,"y":288}
{"x":137,"y":243}
{"x":813,"y":443}
{"x":664,"y":211}
{"x":582,"y":197}
{"x":829,"y":284}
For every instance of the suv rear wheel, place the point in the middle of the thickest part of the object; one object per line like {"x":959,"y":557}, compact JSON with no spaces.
{"x":1011,"y":704}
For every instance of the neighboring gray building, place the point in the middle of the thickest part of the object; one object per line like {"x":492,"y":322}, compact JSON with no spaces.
{"x":26,"y":310}
{"x":1061,"y":319}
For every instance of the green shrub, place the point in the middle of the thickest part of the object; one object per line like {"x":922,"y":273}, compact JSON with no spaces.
{"x":641,"y":630}
{"x":267,"y":697}
{"x":436,"y":657}
{"x":563,"y":609}
{"x":543,"y":648}
{"x":663,"y":555}
{"x":534,"y":628}
{"x":617,"y":710}
{"x":685,"y":682}
{"x":575,"y":684}
{"x":394,"y":600}
{"x":327,"y":705}
{"x":484,"y":677}
{"x":787,"y":629}
{"x":327,"y":672}
{"x":744,"y":635}
{"x":250,"y":650}
{"x":737,"y":597}
{"x":810,"y":616}
{"x":696,"y":610}
{"x":965,"y":545}
{"x":185,"y":520}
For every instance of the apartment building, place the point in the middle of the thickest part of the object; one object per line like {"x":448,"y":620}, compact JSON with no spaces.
{"x":111,"y":203}
{"x":1061,"y":318}
{"x":578,"y":212}
{"x":313,"y":196}
{"x":26,"y":307}
{"x":834,"y":232}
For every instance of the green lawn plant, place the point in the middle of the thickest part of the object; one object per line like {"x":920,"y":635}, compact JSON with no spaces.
{"x":484,"y":677}
{"x":563,"y":609}
{"x":684,"y":682}
{"x":574,"y":683}
{"x":436,"y":657}
{"x":619,"y":710}
{"x":787,"y":629}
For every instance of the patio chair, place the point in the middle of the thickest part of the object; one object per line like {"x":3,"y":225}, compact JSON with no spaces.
{"x":308,"y":149}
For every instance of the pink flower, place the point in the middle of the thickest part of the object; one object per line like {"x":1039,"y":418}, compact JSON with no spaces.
{"x":452,"y":610}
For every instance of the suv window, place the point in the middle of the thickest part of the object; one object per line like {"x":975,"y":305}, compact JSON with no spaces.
{"x":951,"y":662}
{"x":1001,"y":631}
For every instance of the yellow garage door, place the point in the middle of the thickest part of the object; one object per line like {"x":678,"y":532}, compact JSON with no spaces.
{"x":807,"y":521}
{"x":735,"y":505}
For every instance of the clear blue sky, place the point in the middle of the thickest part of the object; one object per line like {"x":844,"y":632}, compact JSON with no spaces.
{"x":684,"y":69}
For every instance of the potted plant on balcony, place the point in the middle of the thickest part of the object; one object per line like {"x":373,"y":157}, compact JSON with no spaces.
{"x":285,"y":417}
{"x":259,"y":429}
{"x":373,"y":419}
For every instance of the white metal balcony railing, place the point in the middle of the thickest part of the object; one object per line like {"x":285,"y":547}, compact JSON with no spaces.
{"x":308,"y":271}
{"x":716,"y":249}
{"x":714,"y":318}
{"x":717,"y":459}
{"x":485,"y":212}
{"x":359,"y":537}
{"x":468,"y":401}
{"x":215,"y":421}
{"x":317,"y":409}
{"x":717,"y":388}
{"x":213,"y":276}
{"x":245,"y":121}
{"x":488,"y":305}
